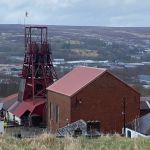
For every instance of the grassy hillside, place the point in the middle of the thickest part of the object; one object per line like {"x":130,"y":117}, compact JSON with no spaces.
{"x":47,"y":142}
{"x":75,"y":43}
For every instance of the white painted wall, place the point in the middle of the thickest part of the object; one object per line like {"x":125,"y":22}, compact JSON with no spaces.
{"x":134,"y":134}
{"x":16,"y":118}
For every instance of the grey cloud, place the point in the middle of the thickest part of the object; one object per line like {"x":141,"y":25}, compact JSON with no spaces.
{"x":77,"y":12}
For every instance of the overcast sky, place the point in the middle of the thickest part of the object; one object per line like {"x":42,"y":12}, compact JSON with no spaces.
{"x":76,"y":12}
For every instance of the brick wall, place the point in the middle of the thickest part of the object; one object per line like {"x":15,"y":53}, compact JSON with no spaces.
{"x":103,"y":100}
{"x":64,"y":110}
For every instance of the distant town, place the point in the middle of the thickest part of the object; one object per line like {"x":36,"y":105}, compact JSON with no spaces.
{"x":125,"y":51}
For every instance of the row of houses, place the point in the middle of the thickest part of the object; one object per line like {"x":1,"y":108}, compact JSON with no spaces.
{"x":93,"y":94}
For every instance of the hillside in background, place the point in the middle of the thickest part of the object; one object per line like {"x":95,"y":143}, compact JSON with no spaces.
{"x":123,"y":51}
{"x":75,"y":43}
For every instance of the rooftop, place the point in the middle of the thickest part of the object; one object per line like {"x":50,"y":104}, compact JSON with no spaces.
{"x":19,"y":108}
{"x":75,"y":80}
{"x":145,"y":103}
{"x":145,"y":98}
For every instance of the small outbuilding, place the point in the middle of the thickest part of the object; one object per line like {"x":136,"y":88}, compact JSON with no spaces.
{"x":92,"y":94}
{"x":140,"y":127}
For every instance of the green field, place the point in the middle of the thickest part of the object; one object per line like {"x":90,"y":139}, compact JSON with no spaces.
{"x":48,"y":142}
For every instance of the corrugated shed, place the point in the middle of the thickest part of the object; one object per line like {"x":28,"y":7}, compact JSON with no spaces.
{"x":20,"y":108}
{"x":141,"y":125}
{"x":75,"y":80}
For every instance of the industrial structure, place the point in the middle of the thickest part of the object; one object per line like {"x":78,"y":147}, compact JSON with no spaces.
{"x":92,"y":94}
{"x":37,"y":74}
{"x":86,"y":97}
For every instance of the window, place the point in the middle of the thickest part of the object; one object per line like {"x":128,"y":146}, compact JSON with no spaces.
{"x":129,"y":134}
{"x":51,"y":111}
{"x":57,"y":114}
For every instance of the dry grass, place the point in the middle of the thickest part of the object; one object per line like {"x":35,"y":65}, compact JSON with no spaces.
{"x":48,"y":142}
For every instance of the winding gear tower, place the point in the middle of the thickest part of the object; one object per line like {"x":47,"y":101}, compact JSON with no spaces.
{"x":38,"y":70}
{"x":37,"y":74}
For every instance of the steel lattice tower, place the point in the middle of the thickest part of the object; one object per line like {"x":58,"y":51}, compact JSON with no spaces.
{"x":38,"y":71}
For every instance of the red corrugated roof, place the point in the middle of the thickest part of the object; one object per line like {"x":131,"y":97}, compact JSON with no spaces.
{"x":76,"y":80}
{"x":20,"y":108}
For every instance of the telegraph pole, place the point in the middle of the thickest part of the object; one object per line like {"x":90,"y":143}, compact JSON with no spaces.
{"x":124,"y":114}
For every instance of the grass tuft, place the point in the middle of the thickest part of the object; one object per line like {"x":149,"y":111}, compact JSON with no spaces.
{"x":49,"y":142}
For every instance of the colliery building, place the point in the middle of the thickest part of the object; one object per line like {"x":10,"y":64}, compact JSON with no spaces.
{"x":92,"y":94}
